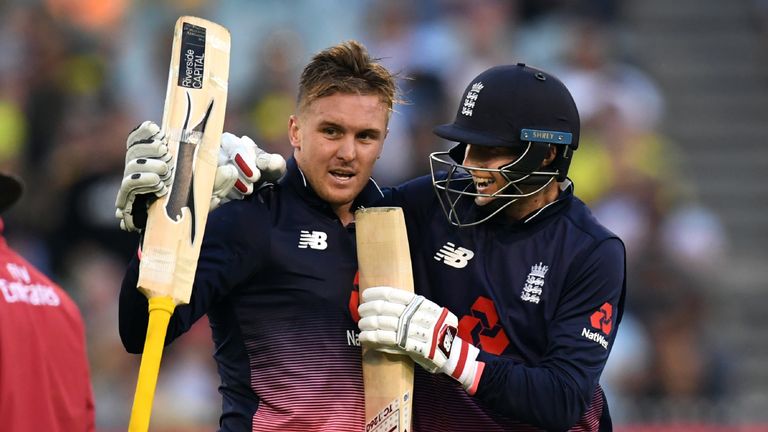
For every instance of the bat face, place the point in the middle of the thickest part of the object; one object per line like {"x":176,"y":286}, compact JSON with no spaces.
{"x":193,"y":120}
{"x":384,"y":260}
{"x":179,"y":195}
{"x":191,"y":74}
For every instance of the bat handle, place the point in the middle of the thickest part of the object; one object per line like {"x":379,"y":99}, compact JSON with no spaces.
{"x":160,"y":311}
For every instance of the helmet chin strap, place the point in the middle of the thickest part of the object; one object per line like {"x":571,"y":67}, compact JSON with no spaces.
{"x":519,"y":170}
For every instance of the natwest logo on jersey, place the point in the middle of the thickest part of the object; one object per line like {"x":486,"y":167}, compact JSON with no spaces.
{"x":602,"y":321}
{"x":456,"y":257}
{"x":313,"y":240}
{"x":483,"y":328}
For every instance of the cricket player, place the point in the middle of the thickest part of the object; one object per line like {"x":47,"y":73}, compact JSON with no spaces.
{"x":520,"y":290}
{"x":276,"y":269}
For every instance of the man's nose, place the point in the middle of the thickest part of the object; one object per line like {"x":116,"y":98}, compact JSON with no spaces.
{"x":471,"y":158}
{"x":347,"y":150}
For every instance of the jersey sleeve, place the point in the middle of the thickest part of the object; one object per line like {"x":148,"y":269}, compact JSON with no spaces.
{"x":416,"y":197}
{"x":555,"y":393}
{"x":234,"y":245}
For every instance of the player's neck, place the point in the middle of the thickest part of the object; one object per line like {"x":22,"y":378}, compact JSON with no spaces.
{"x":525,"y":206}
{"x":344,"y":212}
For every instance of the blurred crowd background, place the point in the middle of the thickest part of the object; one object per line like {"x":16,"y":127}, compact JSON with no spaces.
{"x":673,"y":99}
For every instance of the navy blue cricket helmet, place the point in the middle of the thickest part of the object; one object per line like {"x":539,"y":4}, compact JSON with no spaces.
{"x":514,"y":106}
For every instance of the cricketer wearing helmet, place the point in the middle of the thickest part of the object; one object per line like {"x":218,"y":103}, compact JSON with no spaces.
{"x":530,"y":286}
{"x":533,"y":141}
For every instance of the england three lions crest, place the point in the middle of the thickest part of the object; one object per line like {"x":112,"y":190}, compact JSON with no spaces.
{"x":534,"y":283}
{"x":471,"y":99}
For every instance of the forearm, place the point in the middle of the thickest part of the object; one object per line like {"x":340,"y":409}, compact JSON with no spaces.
{"x":133,"y":313}
{"x":226,"y":257}
{"x":542,"y":396}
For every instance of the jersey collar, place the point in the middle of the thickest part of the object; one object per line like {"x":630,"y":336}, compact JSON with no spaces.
{"x":294,"y":177}
{"x":566,"y":193}
{"x":537,"y":216}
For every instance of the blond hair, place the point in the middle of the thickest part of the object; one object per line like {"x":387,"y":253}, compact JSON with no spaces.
{"x":346,"y":68}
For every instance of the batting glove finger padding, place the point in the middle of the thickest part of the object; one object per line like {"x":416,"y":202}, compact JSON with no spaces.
{"x":143,"y":133}
{"x":223,"y":183}
{"x":146,"y":167}
{"x":239,"y":153}
{"x":393,"y":319}
{"x":242,"y":166}
{"x":147,"y":174}
{"x":151,"y":150}
{"x":377,"y":336}
{"x":388,"y":294}
{"x":272,"y":165}
{"x":381,"y":308}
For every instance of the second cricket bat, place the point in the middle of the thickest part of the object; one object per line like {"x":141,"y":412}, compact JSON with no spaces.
{"x":384,"y":260}
{"x":193,"y":120}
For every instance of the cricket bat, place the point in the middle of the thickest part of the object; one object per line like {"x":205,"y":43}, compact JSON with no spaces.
{"x":384,"y":259}
{"x":193,"y":120}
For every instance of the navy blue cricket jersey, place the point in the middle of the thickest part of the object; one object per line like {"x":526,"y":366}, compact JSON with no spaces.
{"x":542,"y":298}
{"x":275,"y":276}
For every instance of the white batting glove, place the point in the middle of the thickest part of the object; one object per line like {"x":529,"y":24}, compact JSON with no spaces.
{"x":241,"y":166}
{"x":395,"y":320}
{"x":147,"y":175}
{"x":148,"y":172}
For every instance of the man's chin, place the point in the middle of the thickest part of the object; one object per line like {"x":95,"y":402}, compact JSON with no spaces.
{"x":482,"y":201}
{"x":338,"y":198}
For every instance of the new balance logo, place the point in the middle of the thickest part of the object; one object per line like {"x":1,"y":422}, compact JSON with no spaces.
{"x":446,"y":340}
{"x":313,"y":240}
{"x":457,"y":257}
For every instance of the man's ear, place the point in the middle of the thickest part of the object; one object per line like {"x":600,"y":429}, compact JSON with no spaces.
{"x":294,"y":132}
{"x":551,"y":153}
